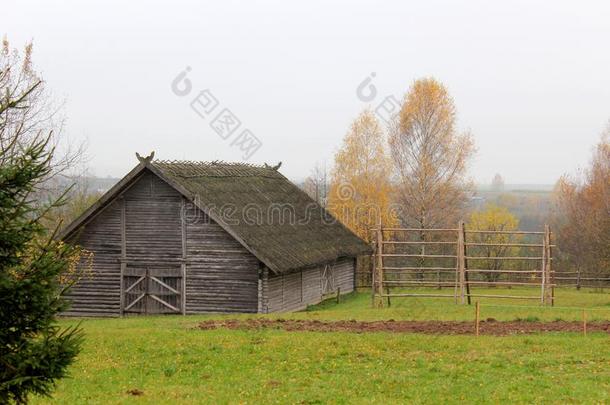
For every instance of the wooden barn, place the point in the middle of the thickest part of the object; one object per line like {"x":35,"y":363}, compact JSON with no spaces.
{"x":194,"y":237}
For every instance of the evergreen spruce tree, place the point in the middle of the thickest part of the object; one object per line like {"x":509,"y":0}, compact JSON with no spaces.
{"x":34,"y":351}
{"x":34,"y":265}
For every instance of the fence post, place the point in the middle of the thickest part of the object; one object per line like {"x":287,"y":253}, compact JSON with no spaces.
{"x":380,"y":263}
{"x":457,"y":282}
{"x":461,"y":262}
{"x":550,"y":288}
{"x":373,"y":273}
{"x":543,"y":269}
{"x":464,"y":256}
{"x":551,"y":280}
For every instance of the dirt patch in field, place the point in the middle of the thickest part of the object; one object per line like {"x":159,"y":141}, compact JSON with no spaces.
{"x":487,"y":327}
{"x":135,"y":392}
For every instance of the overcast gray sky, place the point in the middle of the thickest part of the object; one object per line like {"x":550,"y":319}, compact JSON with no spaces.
{"x":530,"y":79}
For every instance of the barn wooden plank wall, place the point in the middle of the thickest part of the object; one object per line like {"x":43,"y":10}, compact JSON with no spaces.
{"x":98,"y":293}
{"x":295,"y":291}
{"x":222,"y":276}
{"x":153,"y":228}
{"x":153,"y":242}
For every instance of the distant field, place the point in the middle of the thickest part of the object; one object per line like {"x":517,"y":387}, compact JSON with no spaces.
{"x":168,"y":360}
{"x":508,"y":188}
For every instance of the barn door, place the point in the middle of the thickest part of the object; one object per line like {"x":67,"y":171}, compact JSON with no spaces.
{"x":152,"y":291}
{"x":328,"y":279}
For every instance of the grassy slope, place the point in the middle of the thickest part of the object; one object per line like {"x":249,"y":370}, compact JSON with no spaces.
{"x":170,"y":361}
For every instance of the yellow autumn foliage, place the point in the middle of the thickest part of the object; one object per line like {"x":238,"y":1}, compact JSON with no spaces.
{"x":360,"y":185}
{"x":493,"y":218}
{"x":430,"y":158}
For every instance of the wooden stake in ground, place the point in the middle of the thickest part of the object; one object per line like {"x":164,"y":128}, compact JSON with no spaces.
{"x":584,"y":322}
{"x":477,"y":318}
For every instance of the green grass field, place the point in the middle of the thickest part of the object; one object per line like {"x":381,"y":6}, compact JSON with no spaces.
{"x":167,"y":360}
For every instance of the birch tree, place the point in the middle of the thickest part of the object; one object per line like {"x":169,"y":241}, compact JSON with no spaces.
{"x":360,"y":183}
{"x":430,"y":158}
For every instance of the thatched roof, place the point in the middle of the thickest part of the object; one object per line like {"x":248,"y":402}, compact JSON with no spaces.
{"x":273,"y":218}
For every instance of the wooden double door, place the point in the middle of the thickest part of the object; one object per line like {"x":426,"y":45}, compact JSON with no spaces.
{"x":152,"y":290}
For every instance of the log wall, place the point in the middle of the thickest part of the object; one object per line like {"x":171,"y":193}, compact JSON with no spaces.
{"x":153,"y":221}
{"x":295,"y":291}
{"x":222,"y":276}
{"x":98,"y":293}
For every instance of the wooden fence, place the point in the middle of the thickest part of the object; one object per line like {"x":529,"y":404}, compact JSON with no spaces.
{"x":455,"y":262}
{"x":580,"y":279}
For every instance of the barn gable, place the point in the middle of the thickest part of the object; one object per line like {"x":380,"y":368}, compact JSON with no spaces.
{"x":222,"y":274}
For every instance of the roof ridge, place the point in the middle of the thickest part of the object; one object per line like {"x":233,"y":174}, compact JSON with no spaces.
{"x":209,"y":163}
{"x":217,"y":168}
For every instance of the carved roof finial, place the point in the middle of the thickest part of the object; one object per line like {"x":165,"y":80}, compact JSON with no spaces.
{"x":276,"y":167}
{"x":146,"y":159}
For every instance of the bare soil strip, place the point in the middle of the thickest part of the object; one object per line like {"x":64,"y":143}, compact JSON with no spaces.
{"x":487,"y":327}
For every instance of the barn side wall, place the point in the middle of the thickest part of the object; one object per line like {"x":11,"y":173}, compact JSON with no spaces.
{"x":295,"y":291}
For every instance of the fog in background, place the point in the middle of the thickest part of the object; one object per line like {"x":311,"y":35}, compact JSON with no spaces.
{"x":530,"y":79}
